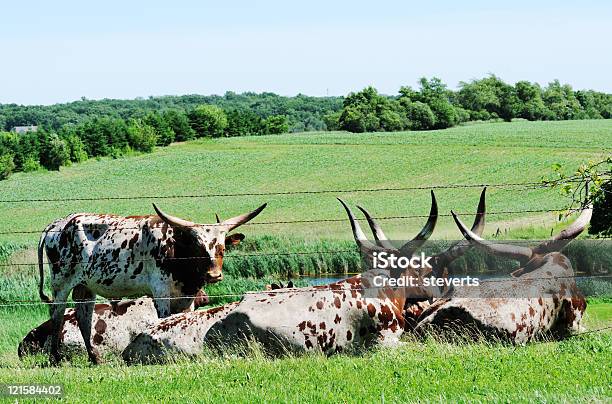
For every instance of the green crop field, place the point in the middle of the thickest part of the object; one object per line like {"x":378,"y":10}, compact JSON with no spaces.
{"x":429,"y":370}
{"x":473,"y":154}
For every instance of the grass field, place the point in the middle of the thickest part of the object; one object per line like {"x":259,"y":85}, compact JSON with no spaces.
{"x":577,"y":369}
{"x":480,"y":153}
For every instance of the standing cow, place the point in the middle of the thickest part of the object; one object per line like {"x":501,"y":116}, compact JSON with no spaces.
{"x":540,"y":299}
{"x":161,"y":256}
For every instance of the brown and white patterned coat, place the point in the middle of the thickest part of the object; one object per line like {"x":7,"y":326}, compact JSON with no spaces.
{"x":160,"y":256}
{"x":331,"y":318}
{"x":539,"y":300}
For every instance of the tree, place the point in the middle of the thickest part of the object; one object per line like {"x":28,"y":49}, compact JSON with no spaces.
{"x":76,"y":148}
{"x":275,"y":125}
{"x":488,"y":97}
{"x":434,"y":93}
{"x":54,"y":152}
{"x":179,"y":123}
{"x":530,"y":104}
{"x":101,"y":136}
{"x":561,"y":101}
{"x":332,"y":120}
{"x":165,"y":135}
{"x":208,"y":120}
{"x":368,"y":111}
{"x":244,"y":123}
{"x":142,"y":137}
{"x":419,"y":115}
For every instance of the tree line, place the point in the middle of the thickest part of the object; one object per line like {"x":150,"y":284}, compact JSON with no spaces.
{"x":75,"y":131}
{"x":50,"y":148}
{"x":434,"y":106}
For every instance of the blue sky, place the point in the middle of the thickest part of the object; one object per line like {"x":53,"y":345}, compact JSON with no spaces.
{"x":61,"y":51}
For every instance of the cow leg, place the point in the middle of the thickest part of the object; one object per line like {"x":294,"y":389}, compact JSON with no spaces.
{"x":162,"y":305}
{"x":57,"y":324}
{"x":85,"y":301}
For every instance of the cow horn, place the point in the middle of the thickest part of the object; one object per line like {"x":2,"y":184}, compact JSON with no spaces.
{"x":171,"y":220}
{"x":379,"y":235}
{"x":522,"y":254}
{"x":410,"y":247}
{"x":568,"y":234}
{"x":217,"y":218}
{"x":458,"y":248}
{"x":234,"y":222}
{"x":360,"y":237}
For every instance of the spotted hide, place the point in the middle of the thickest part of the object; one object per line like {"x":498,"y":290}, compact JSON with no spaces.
{"x":345,"y":316}
{"x":114,"y":326}
{"x":328,"y":318}
{"x":161,"y":256}
{"x":179,"y":334}
{"x":540,"y":299}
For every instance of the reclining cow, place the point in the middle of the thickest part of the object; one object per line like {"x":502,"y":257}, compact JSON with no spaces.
{"x":161,"y":256}
{"x":114,"y":326}
{"x":539,"y":300}
{"x":328,"y":318}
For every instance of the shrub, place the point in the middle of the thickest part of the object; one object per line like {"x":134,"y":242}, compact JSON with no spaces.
{"x":275,"y":125}
{"x":445,"y":113}
{"x":31,"y":164}
{"x":54,"y":153}
{"x":6,"y":165}
{"x":419,"y":115}
{"x":208,"y":120}
{"x":142,"y":137}
{"x":76,"y":148}
{"x":332,"y":120}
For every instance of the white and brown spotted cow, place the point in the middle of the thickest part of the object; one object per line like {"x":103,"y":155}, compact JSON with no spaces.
{"x":160,"y":256}
{"x":328,"y":318}
{"x":179,"y":334}
{"x":539,"y":300}
{"x":114,"y":326}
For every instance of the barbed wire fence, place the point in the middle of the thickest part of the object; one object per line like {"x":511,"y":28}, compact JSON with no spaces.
{"x":506,"y":185}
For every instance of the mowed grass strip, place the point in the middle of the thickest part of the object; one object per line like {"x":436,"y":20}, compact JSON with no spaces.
{"x":573,"y":370}
{"x":480,"y":153}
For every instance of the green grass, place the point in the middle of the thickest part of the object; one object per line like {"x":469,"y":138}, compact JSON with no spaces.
{"x":485,"y":153}
{"x":573,"y":370}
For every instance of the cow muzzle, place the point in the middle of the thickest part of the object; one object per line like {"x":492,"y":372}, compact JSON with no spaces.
{"x":214,"y":277}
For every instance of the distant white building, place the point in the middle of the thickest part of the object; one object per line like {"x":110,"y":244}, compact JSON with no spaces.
{"x":24,"y":129}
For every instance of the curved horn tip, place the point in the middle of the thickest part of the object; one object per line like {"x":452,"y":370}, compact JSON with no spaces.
{"x":461,"y":226}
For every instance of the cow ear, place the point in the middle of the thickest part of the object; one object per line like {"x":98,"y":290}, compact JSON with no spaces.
{"x":234,"y":239}
{"x":290,"y":284}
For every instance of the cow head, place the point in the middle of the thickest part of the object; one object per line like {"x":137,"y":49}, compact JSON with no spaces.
{"x":202,"y":246}
{"x":440,"y":261}
{"x":544,"y":256}
{"x":382,"y":244}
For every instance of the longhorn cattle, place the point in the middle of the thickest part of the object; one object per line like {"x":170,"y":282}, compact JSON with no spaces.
{"x":329,"y":318}
{"x":539,"y":300}
{"x":114,"y":326}
{"x":162,"y":256}
{"x":179,"y":334}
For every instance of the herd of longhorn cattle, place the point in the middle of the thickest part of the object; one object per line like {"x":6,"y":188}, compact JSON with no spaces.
{"x":164,"y":262}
